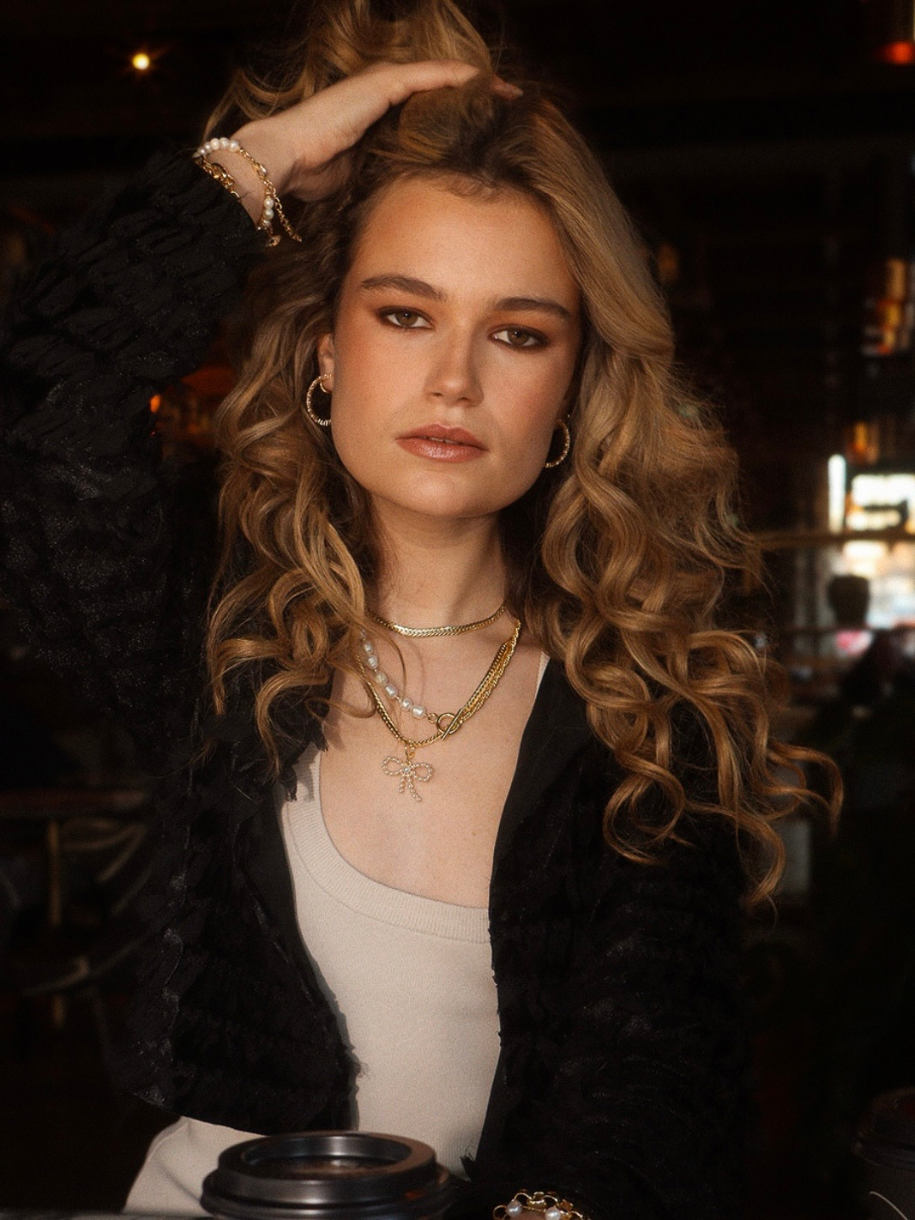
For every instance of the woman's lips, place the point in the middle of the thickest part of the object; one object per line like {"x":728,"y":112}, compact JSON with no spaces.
{"x":442,"y":443}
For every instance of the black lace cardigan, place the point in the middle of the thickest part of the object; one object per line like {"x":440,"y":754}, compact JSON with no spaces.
{"x":622,"y":1078}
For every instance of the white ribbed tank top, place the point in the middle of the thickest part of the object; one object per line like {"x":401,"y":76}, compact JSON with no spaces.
{"x":411,"y":979}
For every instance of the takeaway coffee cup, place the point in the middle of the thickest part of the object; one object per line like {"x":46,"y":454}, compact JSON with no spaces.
{"x":328,"y":1175}
{"x":885,"y":1145}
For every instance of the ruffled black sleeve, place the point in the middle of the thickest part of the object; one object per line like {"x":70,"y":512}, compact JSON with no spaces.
{"x":103,"y":552}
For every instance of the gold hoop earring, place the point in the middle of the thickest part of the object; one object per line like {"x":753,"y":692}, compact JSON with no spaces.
{"x":566,"y":446}
{"x":309,"y":410}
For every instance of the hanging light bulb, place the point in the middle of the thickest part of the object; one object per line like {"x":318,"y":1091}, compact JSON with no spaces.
{"x":141,"y":61}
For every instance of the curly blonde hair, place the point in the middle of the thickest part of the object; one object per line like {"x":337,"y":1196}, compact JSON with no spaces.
{"x":617,"y":559}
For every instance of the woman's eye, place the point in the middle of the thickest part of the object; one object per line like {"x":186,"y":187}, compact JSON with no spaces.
{"x":406,"y":319}
{"x":515,"y":337}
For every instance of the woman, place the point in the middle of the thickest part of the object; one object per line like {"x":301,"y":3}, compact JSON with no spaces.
{"x":472,"y":536}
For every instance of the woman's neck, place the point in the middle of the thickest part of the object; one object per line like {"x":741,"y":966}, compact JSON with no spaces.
{"x":434,"y":572}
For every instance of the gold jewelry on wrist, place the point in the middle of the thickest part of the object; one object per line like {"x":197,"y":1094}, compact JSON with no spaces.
{"x":271,"y":208}
{"x":547,"y":1203}
{"x":423,"y":633}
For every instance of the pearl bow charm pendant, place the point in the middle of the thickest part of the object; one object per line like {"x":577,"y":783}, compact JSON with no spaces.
{"x":409,"y":772}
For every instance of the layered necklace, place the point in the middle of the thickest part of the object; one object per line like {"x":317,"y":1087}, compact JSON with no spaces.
{"x":406,"y":769}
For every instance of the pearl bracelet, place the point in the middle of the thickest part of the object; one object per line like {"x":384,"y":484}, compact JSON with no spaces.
{"x":547,"y":1203}
{"x":271,"y":208}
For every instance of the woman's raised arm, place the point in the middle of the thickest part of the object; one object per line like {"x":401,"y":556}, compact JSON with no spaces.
{"x":95,"y":554}
{"x":104,"y":554}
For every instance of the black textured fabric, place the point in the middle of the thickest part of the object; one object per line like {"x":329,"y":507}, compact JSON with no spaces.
{"x":622,"y":1080}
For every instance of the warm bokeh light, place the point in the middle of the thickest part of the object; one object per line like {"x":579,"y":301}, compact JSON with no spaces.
{"x":155,"y":403}
{"x":141,"y":61}
{"x":897,"y":53}
{"x":862,"y":443}
{"x":837,"y":476}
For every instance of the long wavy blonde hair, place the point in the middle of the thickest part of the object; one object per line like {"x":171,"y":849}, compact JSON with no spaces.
{"x":617,"y":559}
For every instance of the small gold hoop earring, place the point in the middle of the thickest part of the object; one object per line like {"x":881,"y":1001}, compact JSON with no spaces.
{"x":566,"y":445}
{"x":309,"y":396}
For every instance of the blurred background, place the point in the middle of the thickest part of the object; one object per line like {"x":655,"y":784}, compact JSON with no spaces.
{"x":767,"y":152}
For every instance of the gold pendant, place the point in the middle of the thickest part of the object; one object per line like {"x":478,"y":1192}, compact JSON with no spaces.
{"x":409,"y":772}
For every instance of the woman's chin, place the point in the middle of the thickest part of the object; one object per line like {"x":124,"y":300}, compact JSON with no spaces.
{"x":441,"y":509}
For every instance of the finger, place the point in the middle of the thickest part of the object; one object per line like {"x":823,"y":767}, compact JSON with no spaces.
{"x":437,"y":74}
{"x":423,"y":75}
{"x":504,"y":89}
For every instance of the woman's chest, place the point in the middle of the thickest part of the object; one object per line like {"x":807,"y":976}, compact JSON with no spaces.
{"x":425,"y":820}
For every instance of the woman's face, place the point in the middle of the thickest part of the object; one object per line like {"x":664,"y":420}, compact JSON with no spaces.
{"x":453,"y":350}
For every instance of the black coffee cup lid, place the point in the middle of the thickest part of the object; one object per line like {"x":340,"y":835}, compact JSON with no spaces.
{"x":325,"y":1174}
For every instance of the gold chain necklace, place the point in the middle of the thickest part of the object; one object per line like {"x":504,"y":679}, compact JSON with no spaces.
{"x":405,"y":769}
{"x":425,"y":633}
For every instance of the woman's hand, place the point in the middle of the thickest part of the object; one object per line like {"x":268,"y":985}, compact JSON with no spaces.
{"x":305,"y":149}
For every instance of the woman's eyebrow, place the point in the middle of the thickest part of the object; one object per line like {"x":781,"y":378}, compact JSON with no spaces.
{"x":408,"y":283}
{"x":541,"y":304}
{"x":403,"y":283}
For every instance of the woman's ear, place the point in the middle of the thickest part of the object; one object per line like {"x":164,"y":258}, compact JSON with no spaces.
{"x":325,"y":353}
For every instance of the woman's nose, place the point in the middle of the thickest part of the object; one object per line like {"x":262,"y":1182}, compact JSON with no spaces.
{"x":454,"y":378}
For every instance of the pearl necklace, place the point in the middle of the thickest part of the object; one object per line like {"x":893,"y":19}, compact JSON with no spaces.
{"x":381,"y":678}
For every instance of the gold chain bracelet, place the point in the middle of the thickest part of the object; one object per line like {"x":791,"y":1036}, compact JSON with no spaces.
{"x":550,"y":1205}
{"x":271,"y":208}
